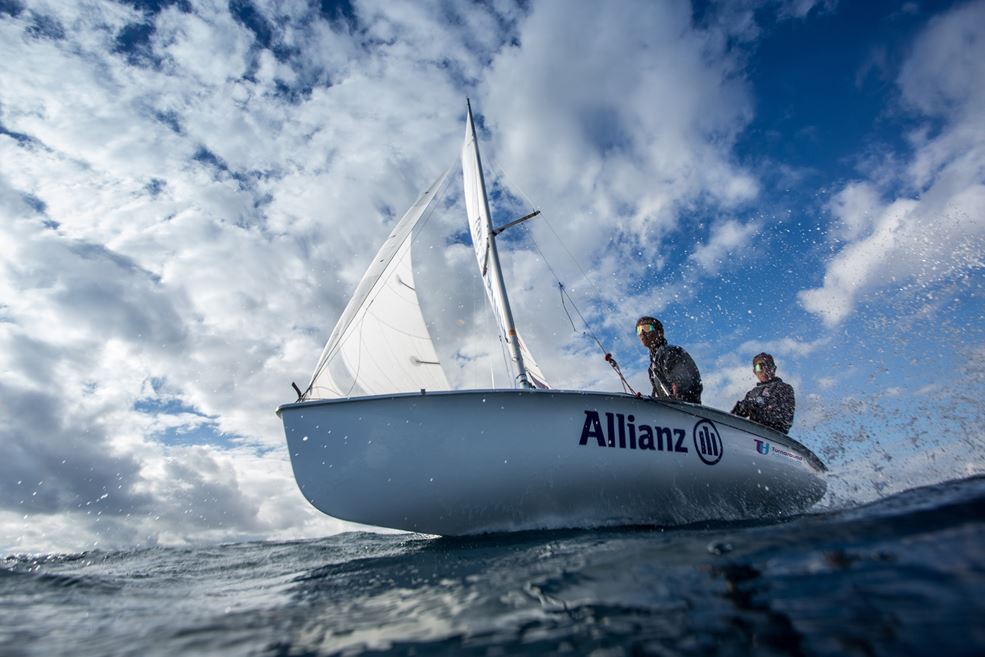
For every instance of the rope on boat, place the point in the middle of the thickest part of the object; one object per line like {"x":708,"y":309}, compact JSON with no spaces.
{"x":588,"y":331}
{"x":564,"y":293}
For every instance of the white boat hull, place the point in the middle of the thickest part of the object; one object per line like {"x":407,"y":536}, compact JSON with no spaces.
{"x":454,"y":463}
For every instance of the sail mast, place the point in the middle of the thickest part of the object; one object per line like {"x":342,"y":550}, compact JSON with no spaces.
{"x":494,"y":268}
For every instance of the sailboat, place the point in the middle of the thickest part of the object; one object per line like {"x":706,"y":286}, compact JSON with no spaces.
{"x":379,"y":438}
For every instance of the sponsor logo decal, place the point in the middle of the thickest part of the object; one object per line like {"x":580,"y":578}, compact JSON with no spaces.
{"x":707,"y":442}
{"x":621,"y":431}
{"x":789,"y":455}
{"x":762,"y":447}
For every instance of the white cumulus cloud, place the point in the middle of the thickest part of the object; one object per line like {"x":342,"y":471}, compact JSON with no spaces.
{"x":929,"y":225}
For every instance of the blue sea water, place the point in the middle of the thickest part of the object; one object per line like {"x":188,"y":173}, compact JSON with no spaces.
{"x":902,"y":576}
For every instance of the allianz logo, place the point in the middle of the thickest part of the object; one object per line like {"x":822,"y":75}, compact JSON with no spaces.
{"x":622,"y":432}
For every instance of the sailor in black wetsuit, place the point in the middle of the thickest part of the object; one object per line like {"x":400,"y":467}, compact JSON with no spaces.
{"x":672,"y":371}
{"x":771,"y":402}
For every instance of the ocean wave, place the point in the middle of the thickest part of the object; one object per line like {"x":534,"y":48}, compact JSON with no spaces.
{"x":902,"y":575}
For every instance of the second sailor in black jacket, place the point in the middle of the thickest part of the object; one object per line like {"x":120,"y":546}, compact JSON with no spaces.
{"x":772,"y":401}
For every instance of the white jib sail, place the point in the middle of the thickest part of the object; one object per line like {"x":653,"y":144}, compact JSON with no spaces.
{"x":480,"y":226}
{"x":381,"y":344}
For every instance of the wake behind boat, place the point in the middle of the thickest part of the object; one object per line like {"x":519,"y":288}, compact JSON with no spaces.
{"x":377,"y":438}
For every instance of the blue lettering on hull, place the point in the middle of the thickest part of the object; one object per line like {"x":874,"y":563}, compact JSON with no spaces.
{"x":621,"y":432}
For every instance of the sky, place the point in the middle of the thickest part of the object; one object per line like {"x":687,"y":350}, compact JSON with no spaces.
{"x":190,"y":191}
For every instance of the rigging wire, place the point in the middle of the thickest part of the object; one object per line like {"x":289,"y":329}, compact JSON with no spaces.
{"x":588,"y":331}
{"x":564,"y":293}
{"x":598,"y":292}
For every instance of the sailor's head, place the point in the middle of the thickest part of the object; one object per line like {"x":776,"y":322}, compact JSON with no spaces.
{"x":763,"y":366}
{"x":651,"y":332}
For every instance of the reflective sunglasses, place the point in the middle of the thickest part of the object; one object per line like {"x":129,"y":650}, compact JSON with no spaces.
{"x":645,"y":328}
{"x":758,"y":367}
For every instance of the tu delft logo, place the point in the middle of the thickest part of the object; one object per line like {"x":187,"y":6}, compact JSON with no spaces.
{"x":707,"y":442}
{"x":762,"y":447}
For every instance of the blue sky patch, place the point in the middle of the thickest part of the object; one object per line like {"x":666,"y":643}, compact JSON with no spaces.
{"x":45,"y":27}
{"x":134,"y":41}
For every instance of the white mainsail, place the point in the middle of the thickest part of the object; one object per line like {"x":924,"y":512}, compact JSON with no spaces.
{"x":381,"y":344}
{"x":480,"y":225}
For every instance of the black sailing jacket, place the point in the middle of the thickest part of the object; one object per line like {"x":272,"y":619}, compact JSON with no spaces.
{"x":670,"y":364}
{"x":771,"y":403}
